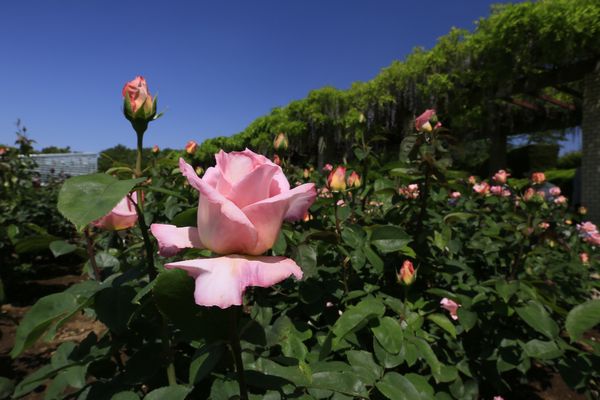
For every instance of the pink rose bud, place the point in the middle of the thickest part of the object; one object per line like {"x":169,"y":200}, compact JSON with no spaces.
{"x":280,"y":142}
{"x":472,"y":180}
{"x":122,"y":216}
{"x":354,"y":180}
{"x":337,"y":179}
{"x":538,"y":177}
{"x":341,"y":203}
{"x":139,"y":106}
{"x":423,"y":121}
{"x":481,"y":188}
{"x":155,"y":149}
{"x":407,"y":274}
{"x":190,"y":147}
{"x":501,"y":177}
{"x":2,"y":150}
{"x":328,"y":167}
{"x":243,"y":201}
{"x":450,"y":306}
{"x":585,"y":258}
{"x":276,"y":160}
{"x":455,"y":195}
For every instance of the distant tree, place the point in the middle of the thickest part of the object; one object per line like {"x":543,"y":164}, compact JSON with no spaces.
{"x":55,"y":150}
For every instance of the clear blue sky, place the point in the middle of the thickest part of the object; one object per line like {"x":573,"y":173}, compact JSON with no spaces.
{"x":216,"y":65}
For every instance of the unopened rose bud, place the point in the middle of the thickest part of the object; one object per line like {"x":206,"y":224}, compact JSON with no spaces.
{"x":582,"y":210}
{"x":199,"y":171}
{"x":472,"y":180}
{"x":328,"y":168}
{"x":276,"y":160}
{"x":455,"y":195}
{"x":191,"y":147}
{"x":138,"y":105}
{"x":306,"y":173}
{"x":354,"y":180}
{"x":361,"y":118}
{"x":543,"y":225}
{"x":337,"y":179}
{"x":155,"y":149}
{"x":2,"y":150}
{"x":585,"y":258}
{"x":406,"y":275}
{"x":538,"y":177}
{"x":280,"y":142}
{"x":307,"y":217}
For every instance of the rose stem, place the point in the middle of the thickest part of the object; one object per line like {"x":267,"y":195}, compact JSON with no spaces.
{"x":91,"y":255}
{"x":147,"y":242}
{"x":236,"y":349}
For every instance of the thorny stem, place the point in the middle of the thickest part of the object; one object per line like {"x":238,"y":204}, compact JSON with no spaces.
{"x":236,"y":349}
{"x":90,"y":250}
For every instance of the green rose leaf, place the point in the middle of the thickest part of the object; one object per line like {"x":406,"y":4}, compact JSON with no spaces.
{"x":83,"y":199}
{"x":582,"y":317}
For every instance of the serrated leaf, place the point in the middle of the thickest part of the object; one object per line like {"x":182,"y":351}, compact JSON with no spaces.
{"x":86,"y":198}
{"x":536,"y":316}
{"x":443,"y":322}
{"x":582,"y":318}
{"x":396,"y":387}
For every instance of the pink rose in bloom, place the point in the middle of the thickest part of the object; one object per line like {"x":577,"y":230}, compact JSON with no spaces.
{"x":137,"y":93}
{"x":190,"y":147}
{"x":585,"y":258}
{"x":122,"y":216}
{"x":328,"y":167}
{"x":501,"y":176}
{"x":529,"y":193}
{"x":337,"y":179}
{"x":496,"y":190}
{"x":243,"y":201}
{"x":354,"y":180}
{"x":410,"y":192}
{"x":538,"y":177}
{"x":455,"y":195}
{"x":407,"y":275}
{"x":555,"y":191}
{"x":450,"y":306}
{"x":481,"y":188}
{"x":560,"y":200}
{"x":422,"y":122}
{"x":589,"y":232}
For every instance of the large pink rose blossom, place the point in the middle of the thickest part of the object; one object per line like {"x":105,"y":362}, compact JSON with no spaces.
{"x":221,"y":281}
{"x":243,"y":201}
{"x":122,"y":216}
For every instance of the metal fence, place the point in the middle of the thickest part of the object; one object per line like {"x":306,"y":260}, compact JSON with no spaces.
{"x":68,"y":164}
